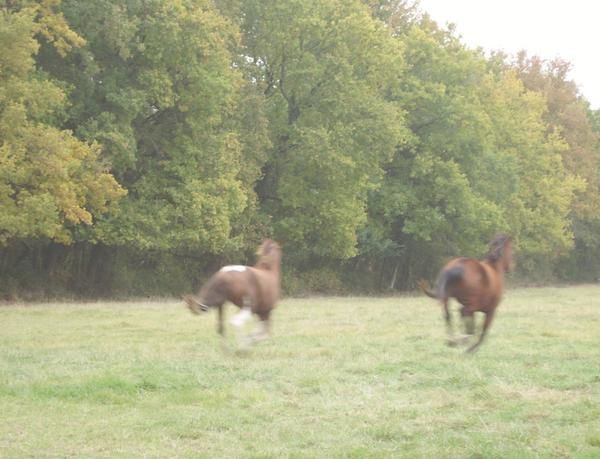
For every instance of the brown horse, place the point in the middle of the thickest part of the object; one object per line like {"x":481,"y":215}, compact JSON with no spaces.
{"x":476,"y":285}
{"x":254,"y":289}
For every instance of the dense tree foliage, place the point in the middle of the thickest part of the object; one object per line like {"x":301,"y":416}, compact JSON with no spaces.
{"x":145,"y":141}
{"x":325,"y":69}
{"x":568,"y":114}
{"x":50,"y":182}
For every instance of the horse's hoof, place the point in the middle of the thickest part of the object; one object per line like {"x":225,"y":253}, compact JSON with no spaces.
{"x":451,"y":342}
{"x":246,"y":343}
{"x":464,"y":339}
{"x":260,"y":336}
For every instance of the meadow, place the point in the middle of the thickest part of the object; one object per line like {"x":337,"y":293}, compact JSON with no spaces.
{"x":341,"y":377}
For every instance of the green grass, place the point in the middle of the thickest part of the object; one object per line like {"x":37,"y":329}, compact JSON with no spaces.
{"x":342,"y":377}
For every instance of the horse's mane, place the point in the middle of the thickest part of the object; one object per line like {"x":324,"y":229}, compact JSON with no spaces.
{"x":268,"y":254}
{"x":497,"y":248}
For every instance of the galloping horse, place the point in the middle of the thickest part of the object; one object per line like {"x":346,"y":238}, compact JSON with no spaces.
{"x":476,"y":285}
{"x":254,"y":289}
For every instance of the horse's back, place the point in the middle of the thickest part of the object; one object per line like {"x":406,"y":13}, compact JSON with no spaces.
{"x":240,"y":285}
{"x":256,"y":287}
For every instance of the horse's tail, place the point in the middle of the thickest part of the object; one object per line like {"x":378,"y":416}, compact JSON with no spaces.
{"x":426,"y":289}
{"x":446,"y":278}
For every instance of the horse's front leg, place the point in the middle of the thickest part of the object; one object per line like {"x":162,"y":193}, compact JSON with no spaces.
{"x":263,"y":327}
{"x":468,"y":320}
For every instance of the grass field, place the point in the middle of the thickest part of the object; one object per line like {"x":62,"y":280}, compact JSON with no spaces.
{"x":342,"y":377}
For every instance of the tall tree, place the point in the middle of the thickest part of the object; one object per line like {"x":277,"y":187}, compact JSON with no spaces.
{"x":156,"y":86}
{"x":326,"y":69}
{"x":568,"y":114}
{"x":50,"y":182}
{"x":481,"y":160}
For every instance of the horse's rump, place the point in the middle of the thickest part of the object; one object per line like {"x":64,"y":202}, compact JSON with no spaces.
{"x":447,"y":278}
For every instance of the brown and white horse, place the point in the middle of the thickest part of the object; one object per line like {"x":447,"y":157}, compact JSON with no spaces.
{"x":254,"y":289}
{"x":476,"y":285}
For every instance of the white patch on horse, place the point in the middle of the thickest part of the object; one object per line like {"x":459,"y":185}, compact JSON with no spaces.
{"x":241,"y":317}
{"x":237,"y":268}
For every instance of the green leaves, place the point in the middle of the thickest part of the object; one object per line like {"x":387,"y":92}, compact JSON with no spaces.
{"x":481,"y":159}
{"x":159,"y":92}
{"x":50,"y":182}
{"x":326,"y":68}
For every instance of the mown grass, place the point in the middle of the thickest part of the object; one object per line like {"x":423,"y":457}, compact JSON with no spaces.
{"x":342,"y":377}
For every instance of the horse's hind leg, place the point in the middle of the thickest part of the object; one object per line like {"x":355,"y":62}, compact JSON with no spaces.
{"x":220,"y":327}
{"x":451,"y":341}
{"x":489,"y":316}
{"x":470,"y":324}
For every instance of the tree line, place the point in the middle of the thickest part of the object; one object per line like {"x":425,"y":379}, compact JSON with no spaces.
{"x":145,"y":142}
